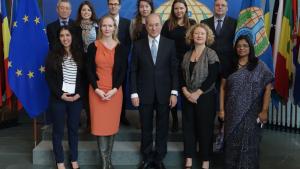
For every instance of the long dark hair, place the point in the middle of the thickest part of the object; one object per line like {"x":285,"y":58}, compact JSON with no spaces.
{"x":173,"y":19}
{"x":90,"y":5}
{"x":138,"y":25}
{"x":252,"y":59}
{"x":55,"y":56}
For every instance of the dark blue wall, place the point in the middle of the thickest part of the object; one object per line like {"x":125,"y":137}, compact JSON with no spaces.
{"x":128,"y":7}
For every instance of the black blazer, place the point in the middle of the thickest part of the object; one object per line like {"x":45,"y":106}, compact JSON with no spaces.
{"x":119,"y":68}
{"x":149,"y":80}
{"x":54,"y":79}
{"x":52,"y":33}
{"x":123,"y":33}
{"x":223,"y":44}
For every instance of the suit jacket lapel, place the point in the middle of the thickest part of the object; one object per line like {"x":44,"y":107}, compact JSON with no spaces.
{"x":160,"y":49}
{"x":57,"y":24}
{"x":223,"y":25}
{"x":148,"y":51}
{"x":211,"y":24}
{"x":120,"y":26}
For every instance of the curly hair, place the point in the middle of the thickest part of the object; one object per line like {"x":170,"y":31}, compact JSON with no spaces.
{"x":210,"y":37}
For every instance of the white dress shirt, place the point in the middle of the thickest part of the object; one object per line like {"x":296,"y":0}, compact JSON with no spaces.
{"x":216,"y":21}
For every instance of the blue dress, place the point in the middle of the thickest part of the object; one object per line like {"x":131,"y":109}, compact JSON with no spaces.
{"x":243,"y":102}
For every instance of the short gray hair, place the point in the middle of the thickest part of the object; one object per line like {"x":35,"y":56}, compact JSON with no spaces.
{"x":154,"y":14}
{"x":60,"y":1}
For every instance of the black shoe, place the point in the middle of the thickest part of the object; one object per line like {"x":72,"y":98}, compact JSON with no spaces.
{"x":160,"y":165}
{"x":124,"y":121}
{"x":145,"y":165}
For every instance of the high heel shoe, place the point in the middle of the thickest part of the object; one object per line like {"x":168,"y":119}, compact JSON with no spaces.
{"x":71,"y":166}
{"x":205,"y":165}
{"x":60,"y":165}
{"x":188,"y":167}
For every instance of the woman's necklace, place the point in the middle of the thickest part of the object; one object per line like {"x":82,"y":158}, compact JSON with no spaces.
{"x":196,"y":55}
{"x":242,"y":65}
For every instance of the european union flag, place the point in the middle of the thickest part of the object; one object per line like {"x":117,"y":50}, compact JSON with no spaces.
{"x":28,"y":49}
{"x":251,"y":23}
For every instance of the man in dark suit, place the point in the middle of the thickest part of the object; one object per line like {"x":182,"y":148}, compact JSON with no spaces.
{"x":123,"y":24}
{"x":63,"y":10}
{"x":154,"y":83}
{"x":223,"y":27}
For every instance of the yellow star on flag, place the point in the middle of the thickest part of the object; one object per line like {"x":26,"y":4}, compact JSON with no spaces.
{"x":25,"y":18}
{"x":42,"y":69}
{"x":15,"y":24}
{"x":30,"y":74}
{"x":37,"y":20}
{"x":19,"y":72}
{"x":9,"y":64}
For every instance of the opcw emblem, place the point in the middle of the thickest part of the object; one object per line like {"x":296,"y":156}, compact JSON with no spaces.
{"x":251,"y":23}
{"x":198,"y":11}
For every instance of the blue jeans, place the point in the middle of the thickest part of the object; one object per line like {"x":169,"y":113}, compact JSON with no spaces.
{"x":72,"y":110}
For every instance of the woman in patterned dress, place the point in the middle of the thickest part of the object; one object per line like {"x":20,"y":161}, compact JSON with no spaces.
{"x":244,"y":101}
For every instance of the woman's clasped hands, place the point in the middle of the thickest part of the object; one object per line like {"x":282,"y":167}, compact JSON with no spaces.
{"x":107,"y":95}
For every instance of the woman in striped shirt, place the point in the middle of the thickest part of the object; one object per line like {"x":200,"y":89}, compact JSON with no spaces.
{"x":63,"y":74}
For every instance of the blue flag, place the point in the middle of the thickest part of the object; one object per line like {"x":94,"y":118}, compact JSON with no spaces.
{"x":296,"y":92}
{"x":251,"y":23}
{"x":14,"y":10}
{"x":28,"y":50}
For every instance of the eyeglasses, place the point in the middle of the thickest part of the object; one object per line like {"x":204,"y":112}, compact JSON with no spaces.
{"x":113,"y":4}
{"x":242,"y":46}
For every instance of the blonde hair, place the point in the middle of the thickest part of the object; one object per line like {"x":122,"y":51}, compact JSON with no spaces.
{"x":210,"y":37}
{"x":115,"y":33}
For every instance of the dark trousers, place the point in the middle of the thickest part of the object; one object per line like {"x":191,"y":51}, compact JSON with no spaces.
{"x":72,"y":110}
{"x":198,"y":124}
{"x":123,"y":110}
{"x":162,"y":127}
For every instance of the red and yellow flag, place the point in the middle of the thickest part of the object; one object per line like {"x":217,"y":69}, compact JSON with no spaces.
{"x":283,"y":69}
{"x":6,"y":41}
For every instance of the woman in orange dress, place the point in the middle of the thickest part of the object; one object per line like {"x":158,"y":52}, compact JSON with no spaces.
{"x":106,"y":68}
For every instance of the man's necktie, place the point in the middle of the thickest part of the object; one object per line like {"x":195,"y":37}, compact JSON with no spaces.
{"x":219,"y":26}
{"x":153,"y":50}
{"x":64,"y":23}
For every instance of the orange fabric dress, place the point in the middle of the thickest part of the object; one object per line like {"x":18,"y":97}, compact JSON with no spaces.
{"x":105,"y":115}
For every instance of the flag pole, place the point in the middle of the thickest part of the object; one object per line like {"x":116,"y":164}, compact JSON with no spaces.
{"x":35,"y":132}
{"x":11,"y":13}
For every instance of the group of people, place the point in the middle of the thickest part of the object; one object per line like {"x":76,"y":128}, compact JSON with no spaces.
{"x":86,"y":69}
